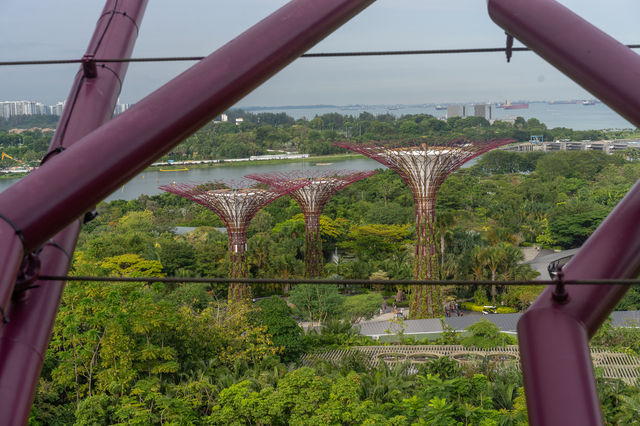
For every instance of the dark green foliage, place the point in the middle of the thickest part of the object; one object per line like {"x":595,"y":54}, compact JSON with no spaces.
{"x":316,"y":303}
{"x":333,"y":335}
{"x":175,"y":255}
{"x":631,"y":300}
{"x":501,"y":162}
{"x":444,"y":367}
{"x":171,"y":354}
{"x":28,"y":121}
{"x":485,"y":334}
{"x":276,"y":316}
{"x":571,"y":231}
{"x":575,"y":164}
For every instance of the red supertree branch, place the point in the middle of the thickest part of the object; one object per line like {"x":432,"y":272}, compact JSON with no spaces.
{"x":424,"y":168}
{"x":319,"y":186}
{"x":236,"y":203}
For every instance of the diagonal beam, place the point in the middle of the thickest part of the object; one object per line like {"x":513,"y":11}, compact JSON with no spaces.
{"x":68,"y":184}
{"x":51,"y":197}
{"x":95,"y":90}
{"x":554,"y":333}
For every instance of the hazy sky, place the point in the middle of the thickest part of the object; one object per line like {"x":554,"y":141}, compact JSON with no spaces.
{"x":42,"y":29}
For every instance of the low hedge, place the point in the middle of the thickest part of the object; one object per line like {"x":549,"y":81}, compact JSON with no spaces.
{"x":403,"y":304}
{"x":470,"y":306}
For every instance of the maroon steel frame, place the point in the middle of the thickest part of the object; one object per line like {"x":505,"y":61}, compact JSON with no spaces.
{"x":51,"y":198}
{"x":554,"y":333}
{"x":424,"y":168}
{"x":24,"y":340}
{"x":320,"y":185}
{"x":235,"y":203}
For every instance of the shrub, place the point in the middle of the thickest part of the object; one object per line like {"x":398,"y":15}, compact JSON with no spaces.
{"x":284,"y":330}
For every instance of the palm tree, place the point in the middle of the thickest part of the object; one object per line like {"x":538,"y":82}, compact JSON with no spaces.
{"x":629,"y":409}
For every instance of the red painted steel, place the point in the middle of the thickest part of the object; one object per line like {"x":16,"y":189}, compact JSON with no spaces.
{"x":102,"y":161}
{"x":593,"y":59}
{"x":322,"y":185}
{"x":554,"y":337}
{"x":561,"y":377}
{"x":50,"y":198}
{"x":424,"y":168}
{"x":24,"y":340}
{"x":235,"y":203}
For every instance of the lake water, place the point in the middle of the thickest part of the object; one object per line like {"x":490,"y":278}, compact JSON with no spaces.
{"x":573,"y":116}
{"x":147,"y":183}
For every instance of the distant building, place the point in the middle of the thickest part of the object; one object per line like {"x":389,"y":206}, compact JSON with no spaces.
{"x":13,"y":108}
{"x":457,"y":110}
{"x":482,"y":110}
{"x":57,"y":109}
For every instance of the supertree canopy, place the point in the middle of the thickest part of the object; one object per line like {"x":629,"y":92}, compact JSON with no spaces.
{"x":236,"y":203}
{"x":424,"y":168}
{"x":320,"y":185}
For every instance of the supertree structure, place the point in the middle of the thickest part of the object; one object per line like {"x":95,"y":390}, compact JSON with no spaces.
{"x":423,"y":168}
{"x":235,"y":202}
{"x":320,"y":185}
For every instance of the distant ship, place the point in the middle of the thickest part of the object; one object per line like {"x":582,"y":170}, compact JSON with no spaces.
{"x":440,"y":107}
{"x":517,"y":105}
{"x":591,"y":102}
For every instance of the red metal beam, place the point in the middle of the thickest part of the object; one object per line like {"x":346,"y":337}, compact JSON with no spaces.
{"x":553,"y":334}
{"x":52,"y":197}
{"x":590,"y":57}
{"x":49,"y":198}
{"x":24,"y":340}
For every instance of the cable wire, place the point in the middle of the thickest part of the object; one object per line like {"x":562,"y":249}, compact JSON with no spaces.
{"x":306,"y":55}
{"x":385,"y":283}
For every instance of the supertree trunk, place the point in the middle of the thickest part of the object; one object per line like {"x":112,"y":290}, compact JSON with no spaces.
{"x":424,"y":168}
{"x":236,"y":204}
{"x":425,"y":300}
{"x":237,"y":250}
{"x":312,"y":247}
{"x":319,"y":186}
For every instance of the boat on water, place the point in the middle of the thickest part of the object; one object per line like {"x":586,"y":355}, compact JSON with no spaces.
{"x":183,"y":169}
{"x":440,"y":107}
{"x":517,"y":105}
{"x":591,"y":102}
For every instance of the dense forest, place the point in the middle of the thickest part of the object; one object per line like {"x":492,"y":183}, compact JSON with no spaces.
{"x":176,"y":354}
{"x":264,"y":133}
{"x":133,"y":353}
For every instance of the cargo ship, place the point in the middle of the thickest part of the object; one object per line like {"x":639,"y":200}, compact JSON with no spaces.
{"x":517,"y":105}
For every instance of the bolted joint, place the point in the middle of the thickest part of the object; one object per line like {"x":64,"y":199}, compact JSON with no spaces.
{"x":89,"y":66}
{"x":28,"y":273}
{"x":560,"y":294}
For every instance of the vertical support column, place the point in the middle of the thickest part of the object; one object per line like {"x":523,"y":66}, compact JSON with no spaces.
{"x":426,"y":265}
{"x":312,"y":246}
{"x":237,"y":249}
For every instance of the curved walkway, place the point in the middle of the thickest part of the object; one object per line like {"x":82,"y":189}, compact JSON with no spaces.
{"x":613,"y":365}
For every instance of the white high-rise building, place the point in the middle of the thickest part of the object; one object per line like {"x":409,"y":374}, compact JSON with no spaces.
{"x":457,"y":110}
{"x":13,"y":108}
